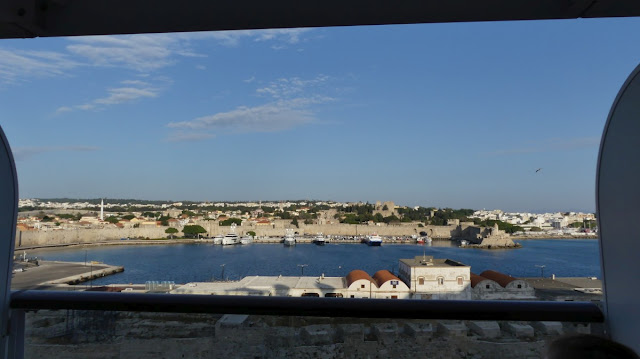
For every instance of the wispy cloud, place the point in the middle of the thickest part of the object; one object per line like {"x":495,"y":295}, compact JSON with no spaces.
{"x":143,"y":53}
{"x":291,"y":105}
{"x":23,"y":153}
{"x":16,"y":65}
{"x":289,"y":87}
{"x":551,"y":145}
{"x":132,"y":91}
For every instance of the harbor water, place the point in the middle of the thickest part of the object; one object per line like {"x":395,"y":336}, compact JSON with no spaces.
{"x":184,"y":263}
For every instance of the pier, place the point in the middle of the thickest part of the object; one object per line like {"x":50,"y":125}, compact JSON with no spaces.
{"x":54,"y":274}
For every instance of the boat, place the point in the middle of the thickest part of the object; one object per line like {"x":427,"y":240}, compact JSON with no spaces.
{"x":319,"y":239}
{"x":289,"y":238}
{"x":373,"y":240}
{"x":246,"y":240}
{"x":218,"y":239}
{"x":231,"y":237}
{"x":423,"y":240}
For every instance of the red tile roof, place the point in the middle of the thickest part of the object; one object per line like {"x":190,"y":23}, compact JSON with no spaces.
{"x":501,"y":278}
{"x":358,"y":274}
{"x":383,"y":276}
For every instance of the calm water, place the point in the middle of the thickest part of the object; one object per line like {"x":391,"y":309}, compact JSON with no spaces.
{"x":202,"y":262}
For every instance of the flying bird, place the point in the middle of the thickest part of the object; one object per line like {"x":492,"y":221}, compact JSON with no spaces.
{"x":538,"y":170}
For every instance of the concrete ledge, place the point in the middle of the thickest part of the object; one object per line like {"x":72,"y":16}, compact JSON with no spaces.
{"x":350,"y":333}
{"x":385,"y":332}
{"x":456,"y":329}
{"x":485,"y":329}
{"x":577,"y":328}
{"x":419,"y":330}
{"x":519,"y":330}
{"x":552,"y":328}
{"x":319,"y":334}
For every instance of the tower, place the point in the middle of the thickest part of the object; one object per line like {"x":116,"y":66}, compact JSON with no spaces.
{"x":102,"y":209}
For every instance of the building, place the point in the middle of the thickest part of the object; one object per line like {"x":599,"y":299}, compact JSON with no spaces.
{"x":430,"y":278}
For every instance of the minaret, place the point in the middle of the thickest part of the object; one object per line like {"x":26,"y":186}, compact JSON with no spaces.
{"x":102,"y":209}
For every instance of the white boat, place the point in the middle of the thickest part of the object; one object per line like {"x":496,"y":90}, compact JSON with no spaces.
{"x":319,"y":239}
{"x":373,"y":240}
{"x":289,"y":238}
{"x":231,"y":237}
{"x":218,"y":239}
{"x":246,"y":240}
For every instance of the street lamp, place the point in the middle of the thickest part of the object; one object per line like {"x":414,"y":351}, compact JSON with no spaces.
{"x":302,"y":268}
{"x":541,"y":269}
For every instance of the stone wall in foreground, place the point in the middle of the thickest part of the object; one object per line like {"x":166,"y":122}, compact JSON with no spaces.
{"x":98,"y":335}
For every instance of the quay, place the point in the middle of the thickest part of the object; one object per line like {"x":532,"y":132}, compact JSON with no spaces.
{"x":56,"y":275}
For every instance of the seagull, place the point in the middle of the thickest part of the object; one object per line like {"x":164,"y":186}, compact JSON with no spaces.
{"x":538,"y":170}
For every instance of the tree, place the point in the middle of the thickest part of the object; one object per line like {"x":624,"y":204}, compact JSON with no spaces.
{"x":129,"y":217}
{"x":230,"y":221}
{"x":385,"y":208}
{"x":171,"y":231}
{"x":295,"y":222}
{"x":192,"y":231}
{"x":112,"y":219}
{"x":251,"y":233}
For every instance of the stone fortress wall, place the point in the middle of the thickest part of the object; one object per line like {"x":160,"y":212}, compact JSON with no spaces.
{"x":90,"y":235}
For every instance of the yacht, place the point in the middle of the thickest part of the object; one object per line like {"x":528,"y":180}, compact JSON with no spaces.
{"x":319,"y":239}
{"x":424,"y":240}
{"x":218,"y":239}
{"x":373,"y":240}
{"x":246,"y":240}
{"x":231,"y":237}
{"x":289,"y":238}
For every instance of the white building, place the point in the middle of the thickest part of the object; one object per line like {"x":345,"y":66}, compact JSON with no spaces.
{"x":430,"y":278}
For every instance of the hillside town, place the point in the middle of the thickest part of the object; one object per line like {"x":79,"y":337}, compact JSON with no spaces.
{"x":54,"y":215}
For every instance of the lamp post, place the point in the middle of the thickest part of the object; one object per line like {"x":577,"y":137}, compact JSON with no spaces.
{"x":541,"y":269}
{"x":302,"y":268}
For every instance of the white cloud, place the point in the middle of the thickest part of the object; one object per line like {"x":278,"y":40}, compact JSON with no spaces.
{"x":15,"y":65}
{"x":266,"y":118}
{"x":291,"y":105}
{"x":143,"y":53}
{"x":23,"y":153}
{"x":136,"y":90}
{"x":289,"y":87}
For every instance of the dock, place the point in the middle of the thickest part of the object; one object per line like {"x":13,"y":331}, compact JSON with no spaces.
{"x":57,"y":275}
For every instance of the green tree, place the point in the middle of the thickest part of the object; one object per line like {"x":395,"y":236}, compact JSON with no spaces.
{"x":128,"y":217}
{"x":230,"y":221}
{"x":192,"y":231}
{"x":112,"y":219}
{"x":251,"y":233}
{"x":171,"y":231}
{"x":295,"y":222}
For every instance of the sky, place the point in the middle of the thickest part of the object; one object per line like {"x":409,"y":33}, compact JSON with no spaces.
{"x":445,"y":115}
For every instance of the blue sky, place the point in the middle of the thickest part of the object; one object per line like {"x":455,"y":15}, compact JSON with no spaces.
{"x":445,"y":115}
